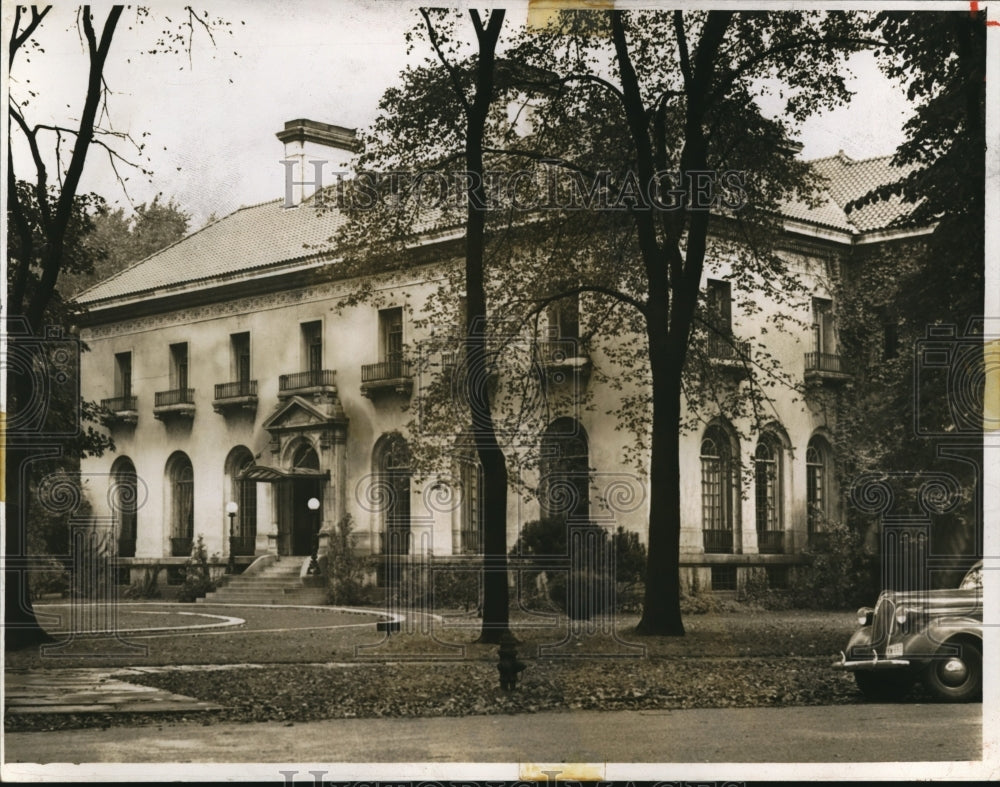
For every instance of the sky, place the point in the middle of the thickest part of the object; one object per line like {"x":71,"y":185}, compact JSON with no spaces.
{"x":210,"y":123}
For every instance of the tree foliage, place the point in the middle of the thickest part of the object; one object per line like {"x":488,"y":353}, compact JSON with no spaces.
{"x":619,"y":103}
{"x":898,"y":414}
{"x":119,"y":240}
{"x":48,"y":217}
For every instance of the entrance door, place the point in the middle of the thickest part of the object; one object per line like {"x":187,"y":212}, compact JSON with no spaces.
{"x":305,"y":523}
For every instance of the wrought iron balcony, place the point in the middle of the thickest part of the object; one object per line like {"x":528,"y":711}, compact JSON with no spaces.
{"x":826,"y":367}
{"x":314,"y":380}
{"x":124,"y":409}
{"x":396,"y":374}
{"x":239,"y":394}
{"x":770,"y":542}
{"x":564,"y":360}
{"x":729,"y":353}
{"x":177,"y":401}
{"x":718,"y":541}
{"x":727,"y":348}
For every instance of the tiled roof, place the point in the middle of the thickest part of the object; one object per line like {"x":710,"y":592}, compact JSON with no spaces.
{"x":848,"y":180}
{"x":250,"y":238}
{"x":269,"y":234}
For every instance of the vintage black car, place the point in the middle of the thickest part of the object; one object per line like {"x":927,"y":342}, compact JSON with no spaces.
{"x":931,"y":636}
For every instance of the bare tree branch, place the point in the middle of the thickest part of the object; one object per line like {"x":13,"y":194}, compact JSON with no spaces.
{"x":17,"y":41}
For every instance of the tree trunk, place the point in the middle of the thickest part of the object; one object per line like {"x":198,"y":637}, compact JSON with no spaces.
{"x":21,"y":625}
{"x":496,"y":602}
{"x":661,"y":608}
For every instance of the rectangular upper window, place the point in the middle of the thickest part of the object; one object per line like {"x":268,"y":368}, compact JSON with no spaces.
{"x":239,"y":350}
{"x":824,"y":340}
{"x":179,"y":366}
{"x":390,"y":327}
{"x":123,"y":374}
{"x":312,"y":346}
{"x":719,"y":304}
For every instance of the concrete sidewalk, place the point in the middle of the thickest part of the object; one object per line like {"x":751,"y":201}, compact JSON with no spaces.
{"x":90,"y":690}
{"x":838,"y":734}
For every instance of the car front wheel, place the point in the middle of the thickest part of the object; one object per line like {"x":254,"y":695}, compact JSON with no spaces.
{"x":883,"y":686}
{"x":956,"y":677}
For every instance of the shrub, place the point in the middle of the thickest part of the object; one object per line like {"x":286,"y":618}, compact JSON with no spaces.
{"x":757,"y":591}
{"x":458,"y":588}
{"x":549,"y":537}
{"x":146,"y":587}
{"x":197,"y":576}
{"x":345,"y":569}
{"x":841,"y":576}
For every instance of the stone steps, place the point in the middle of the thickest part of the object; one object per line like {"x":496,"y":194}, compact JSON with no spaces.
{"x":279,"y":583}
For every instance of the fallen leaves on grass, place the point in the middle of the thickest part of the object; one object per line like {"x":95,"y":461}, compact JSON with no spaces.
{"x":292,"y":693}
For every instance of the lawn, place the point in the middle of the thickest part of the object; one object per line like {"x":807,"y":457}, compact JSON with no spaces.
{"x":297,"y":666}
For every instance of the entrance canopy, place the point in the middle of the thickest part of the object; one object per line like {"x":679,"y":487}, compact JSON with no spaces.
{"x":272,"y":475}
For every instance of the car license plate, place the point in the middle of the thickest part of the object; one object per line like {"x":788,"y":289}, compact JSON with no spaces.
{"x":893,"y":651}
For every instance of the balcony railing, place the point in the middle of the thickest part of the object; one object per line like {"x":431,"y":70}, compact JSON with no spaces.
{"x":181,"y":547}
{"x":385,"y":370}
{"x":242,"y":393}
{"x":239,"y":388}
{"x":726,"y":348}
{"x":178,"y":401}
{"x":394,"y":542}
{"x":395,"y":374}
{"x":315,"y":378}
{"x":174,"y":396}
{"x":562,"y":351}
{"x":770,"y":542}
{"x":718,"y":541}
{"x":826,"y":366}
{"x":119,"y":404}
{"x":124,"y":409}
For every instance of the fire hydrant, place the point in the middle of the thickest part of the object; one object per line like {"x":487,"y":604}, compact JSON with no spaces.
{"x":509,"y":665}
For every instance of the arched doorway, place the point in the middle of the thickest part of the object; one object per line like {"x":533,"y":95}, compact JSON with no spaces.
{"x":304,"y":485}
{"x":180,"y":477}
{"x":124,"y":504}
{"x":243,"y":492}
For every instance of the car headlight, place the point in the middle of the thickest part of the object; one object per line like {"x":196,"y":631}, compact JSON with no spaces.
{"x":865,"y":616}
{"x":901,"y":613}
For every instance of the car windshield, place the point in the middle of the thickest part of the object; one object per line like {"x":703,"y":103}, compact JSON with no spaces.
{"x":974,"y":579}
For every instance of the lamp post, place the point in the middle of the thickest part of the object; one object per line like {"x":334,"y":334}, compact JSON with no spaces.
{"x":313,"y":505}
{"x":231,"y":509}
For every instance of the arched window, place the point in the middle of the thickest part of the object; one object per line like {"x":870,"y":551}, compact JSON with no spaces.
{"x":817,"y":484}
{"x":767,"y":495}
{"x":392,"y":467}
{"x":243,"y":492}
{"x":181,"y":479}
{"x":564,"y":489}
{"x":471,"y":533}
{"x":124,"y":505}
{"x":717,"y":490}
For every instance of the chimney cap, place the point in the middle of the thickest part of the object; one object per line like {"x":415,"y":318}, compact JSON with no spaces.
{"x":303,"y":130}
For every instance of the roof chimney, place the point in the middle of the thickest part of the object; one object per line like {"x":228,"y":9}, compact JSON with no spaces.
{"x":308,"y":142}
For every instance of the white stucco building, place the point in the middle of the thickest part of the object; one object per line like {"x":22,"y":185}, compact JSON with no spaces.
{"x":235,"y":375}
